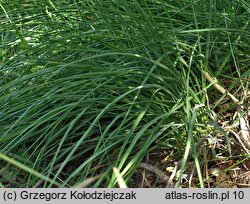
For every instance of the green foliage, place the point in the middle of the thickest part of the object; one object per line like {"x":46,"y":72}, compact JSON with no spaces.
{"x":88,"y":86}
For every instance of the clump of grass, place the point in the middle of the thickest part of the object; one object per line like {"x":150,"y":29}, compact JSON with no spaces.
{"x":91,"y":86}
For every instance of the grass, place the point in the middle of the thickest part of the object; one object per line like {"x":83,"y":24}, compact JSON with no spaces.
{"x":91,"y":86}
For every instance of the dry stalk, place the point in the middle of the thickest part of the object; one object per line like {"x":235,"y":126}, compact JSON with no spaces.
{"x":244,"y":126}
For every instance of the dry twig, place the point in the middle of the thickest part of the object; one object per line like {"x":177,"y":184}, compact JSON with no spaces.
{"x":159,"y":173}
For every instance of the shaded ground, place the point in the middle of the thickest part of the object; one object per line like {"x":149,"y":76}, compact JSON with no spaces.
{"x":220,"y":173}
